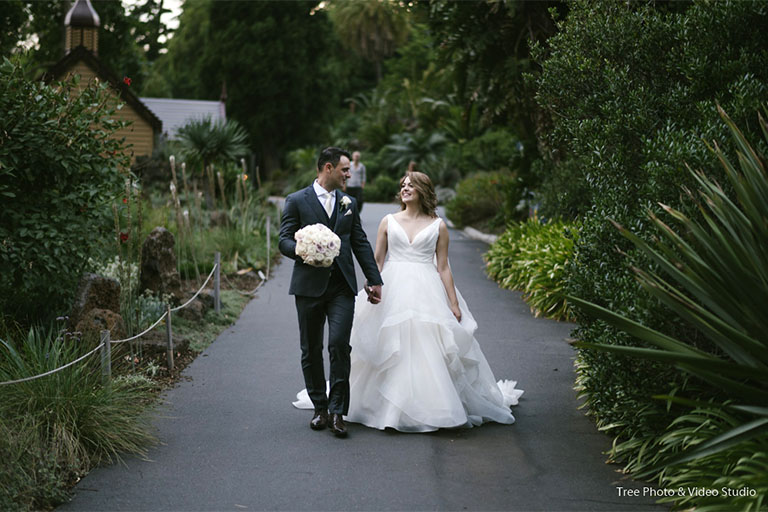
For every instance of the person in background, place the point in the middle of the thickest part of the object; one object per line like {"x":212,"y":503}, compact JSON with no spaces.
{"x":356,"y":182}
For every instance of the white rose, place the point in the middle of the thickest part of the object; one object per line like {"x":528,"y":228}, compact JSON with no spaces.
{"x":317,"y":244}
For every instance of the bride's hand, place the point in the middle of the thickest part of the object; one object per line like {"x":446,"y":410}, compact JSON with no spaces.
{"x":456,"y":312}
{"x":374,"y":293}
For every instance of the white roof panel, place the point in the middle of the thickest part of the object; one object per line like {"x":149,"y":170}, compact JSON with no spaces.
{"x":176,"y":113}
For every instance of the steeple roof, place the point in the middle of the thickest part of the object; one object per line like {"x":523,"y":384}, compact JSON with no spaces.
{"x":82,"y":14}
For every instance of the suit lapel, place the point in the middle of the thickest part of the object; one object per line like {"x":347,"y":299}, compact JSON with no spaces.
{"x":314,"y":204}
{"x":337,"y":210}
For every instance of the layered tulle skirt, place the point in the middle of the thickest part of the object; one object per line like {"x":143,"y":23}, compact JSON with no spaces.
{"x":415,"y":368}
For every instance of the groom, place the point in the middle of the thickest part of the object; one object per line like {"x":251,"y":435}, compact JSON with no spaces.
{"x":328,"y":292}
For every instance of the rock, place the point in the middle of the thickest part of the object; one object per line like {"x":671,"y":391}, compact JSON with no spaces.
{"x":95,"y":320}
{"x":206,"y":297}
{"x":195,"y":311}
{"x":95,"y":292}
{"x":156,"y":342}
{"x":158,"y":264}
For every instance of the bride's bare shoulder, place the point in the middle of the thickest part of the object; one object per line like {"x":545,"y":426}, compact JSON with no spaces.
{"x":443,"y":229}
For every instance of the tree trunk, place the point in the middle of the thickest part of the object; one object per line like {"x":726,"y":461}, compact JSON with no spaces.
{"x":270,"y":160}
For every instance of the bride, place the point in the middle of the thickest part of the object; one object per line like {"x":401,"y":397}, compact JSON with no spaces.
{"x":415,"y":364}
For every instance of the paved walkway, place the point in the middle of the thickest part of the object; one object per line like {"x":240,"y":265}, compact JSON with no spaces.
{"x":232,"y":441}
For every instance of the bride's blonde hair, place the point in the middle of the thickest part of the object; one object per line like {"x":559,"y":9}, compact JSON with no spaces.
{"x":423,"y":185}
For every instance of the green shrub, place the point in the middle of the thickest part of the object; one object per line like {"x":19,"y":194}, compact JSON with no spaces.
{"x":55,"y":428}
{"x":495,"y":149}
{"x":301,"y":170}
{"x":299,"y":181}
{"x":562,"y":189}
{"x":422,"y":146}
{"x":59,"y":171}
{"x":531,"y":257}
{"x":714,"y":276}
{"x":382,"y":189}
{"x":488,"y":197}
{"x":632,"y":89}
{"x":32,"y":476}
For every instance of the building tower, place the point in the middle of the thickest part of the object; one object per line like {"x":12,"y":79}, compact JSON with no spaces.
{"x":82,"y":27}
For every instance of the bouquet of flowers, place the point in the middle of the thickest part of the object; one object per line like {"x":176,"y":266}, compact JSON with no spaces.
{"x":317,"y":245}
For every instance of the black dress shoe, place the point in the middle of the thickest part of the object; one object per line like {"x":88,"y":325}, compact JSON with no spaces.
{"x":319,"y":420}
{"x":337,"y":425}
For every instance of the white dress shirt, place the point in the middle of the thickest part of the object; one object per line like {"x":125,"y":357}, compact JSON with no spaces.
{"x":322,"y":196}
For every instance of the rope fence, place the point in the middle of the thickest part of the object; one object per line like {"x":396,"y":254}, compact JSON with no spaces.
{"x":105,"y":343}
{"x":101,"y":345}
{"x":115,"y":342}
{"x":215,"y":268}
{"x":261,"y":276}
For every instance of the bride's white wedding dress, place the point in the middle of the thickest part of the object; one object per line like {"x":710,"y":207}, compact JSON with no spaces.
{"x":414,"y":367}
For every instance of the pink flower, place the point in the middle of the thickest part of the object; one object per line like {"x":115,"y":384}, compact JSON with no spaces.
{"x":126,"y":80}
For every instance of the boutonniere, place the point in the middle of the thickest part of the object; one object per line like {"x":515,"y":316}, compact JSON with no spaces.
{"x":345,"y":202}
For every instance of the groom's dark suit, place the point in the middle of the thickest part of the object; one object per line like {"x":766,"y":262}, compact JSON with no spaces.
{"x":326,"y":292}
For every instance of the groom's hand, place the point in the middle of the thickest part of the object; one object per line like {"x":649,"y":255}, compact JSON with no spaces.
{"x":374,"y":293}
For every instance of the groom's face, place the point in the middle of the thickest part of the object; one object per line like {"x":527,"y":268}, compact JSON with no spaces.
{"x":338,"y":175}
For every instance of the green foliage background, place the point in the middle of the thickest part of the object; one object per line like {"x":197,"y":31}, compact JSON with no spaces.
{"x":634,"y":89}
{"x":55,"y":197}
{"x":594,"y":108}
{"x":283,"y":68}
{"x":486,"y":196}
{"x":531,"y":257}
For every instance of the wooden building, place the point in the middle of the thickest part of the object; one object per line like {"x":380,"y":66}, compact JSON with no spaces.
{"x":81,"y":58}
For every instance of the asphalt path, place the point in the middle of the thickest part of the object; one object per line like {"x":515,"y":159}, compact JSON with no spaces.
{"x":230,"y":439}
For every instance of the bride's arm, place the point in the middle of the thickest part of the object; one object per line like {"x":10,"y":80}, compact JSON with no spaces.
{"x":441,"y":251}
{"x":380,"y":254}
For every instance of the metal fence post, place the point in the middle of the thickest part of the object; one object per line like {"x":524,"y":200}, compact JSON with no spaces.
{"x":169,"y":336}
{"x":269,"y":241}
{"x":217,"y":284}
{"x":106,"y":357}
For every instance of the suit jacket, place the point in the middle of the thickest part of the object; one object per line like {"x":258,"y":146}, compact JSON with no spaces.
{"x":301,"y":209}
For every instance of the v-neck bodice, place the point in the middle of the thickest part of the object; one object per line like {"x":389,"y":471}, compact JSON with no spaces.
{"x":419,"y":250}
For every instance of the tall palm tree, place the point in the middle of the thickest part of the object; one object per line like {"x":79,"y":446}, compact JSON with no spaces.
{"x":371,"y":28}
{"x":206,"y":142}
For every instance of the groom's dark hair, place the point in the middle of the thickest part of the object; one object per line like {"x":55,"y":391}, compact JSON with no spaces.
{"x":333,"y":155}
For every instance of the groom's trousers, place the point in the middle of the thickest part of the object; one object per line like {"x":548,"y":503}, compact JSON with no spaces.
{"x":337,"y":305}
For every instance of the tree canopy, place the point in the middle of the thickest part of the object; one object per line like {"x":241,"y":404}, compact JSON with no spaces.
{"x":280,"y":62}
{"x":373,"y":29}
